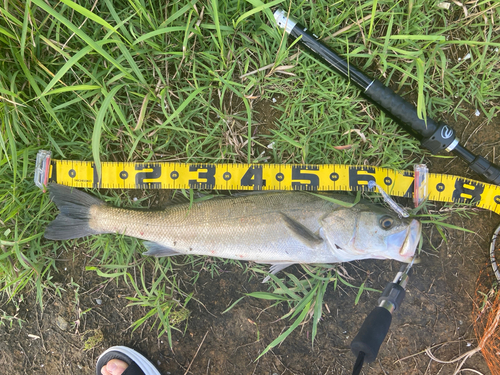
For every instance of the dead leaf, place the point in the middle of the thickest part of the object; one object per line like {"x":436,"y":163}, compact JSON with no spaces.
{"x":346,"y":147}
{"x":358,"y":132}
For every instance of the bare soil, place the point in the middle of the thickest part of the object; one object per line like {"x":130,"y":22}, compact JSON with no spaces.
{"x":437,"y":310}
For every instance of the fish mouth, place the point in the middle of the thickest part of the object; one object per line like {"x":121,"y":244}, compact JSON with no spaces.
{"x":402,"y":245}
{"x":412,"y":239}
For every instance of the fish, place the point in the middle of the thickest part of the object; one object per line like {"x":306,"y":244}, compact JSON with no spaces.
{"x":276,"y":228}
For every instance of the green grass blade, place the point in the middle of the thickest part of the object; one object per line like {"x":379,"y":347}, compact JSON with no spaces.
{"x":72,"y":88}
{"x":182,"y":11}
{"x":119,"y":23}
{"x":372,"y":18}
{"x":24,"y":30}
{"x":421,"y":110}
{"x":35,"y":87}
{"x":184,"y":104}
{"x":318,"y":309}
{"x":306,"y":300}
{"x":165,"y":30}
{"x":259,"y":4}
{"x":267,"y":296}
{"x":360,"y":292}
{"x":89,"y":41}
{"x":88,"y":14}
{"x":285,"y":334}
{"x":232,"y":305}
{"x":257,"y":9}
{"x":215,"y":16}
{"x":7,"y":33}
{"x":135,"y":68}
{"x":99,"y":121}
{"x":69,"y":64}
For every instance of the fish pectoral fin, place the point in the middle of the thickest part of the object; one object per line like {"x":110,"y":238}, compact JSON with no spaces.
{"x":156,"y":249}
{"x":275,"y":268}
{"x":302,"y":233}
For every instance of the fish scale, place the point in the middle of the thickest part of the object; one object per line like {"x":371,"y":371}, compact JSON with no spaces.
{"x":279,"y":228}
{"x":222,"y":227}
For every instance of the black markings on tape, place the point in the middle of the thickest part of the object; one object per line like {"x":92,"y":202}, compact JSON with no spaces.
{"x":334,"y":176}
{"x":208,"y":176}
{"x":355,"y":177}
{"x":467,"y":194}
{"x":152,"y":171}
{"x":253,"y":177}
{"x":411,"y":186}
{"x":53,"y":176}
{"x":410,"y":190}
{"x":96,"y":183}
{"x":298,"y":174}
{"x":303,"y":177}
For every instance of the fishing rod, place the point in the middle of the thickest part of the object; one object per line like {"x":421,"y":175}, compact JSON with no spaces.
{"x":434,"y":136}
{"x":371,"y":335}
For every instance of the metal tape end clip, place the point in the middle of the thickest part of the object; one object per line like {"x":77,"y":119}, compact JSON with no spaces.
{"x":42,"y":169}
{"x":421,"y":182}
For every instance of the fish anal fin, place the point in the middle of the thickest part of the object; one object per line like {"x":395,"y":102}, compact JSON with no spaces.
{"x":302,"y":233}
{"x":275,"y":268}
{"x":156,"y":249}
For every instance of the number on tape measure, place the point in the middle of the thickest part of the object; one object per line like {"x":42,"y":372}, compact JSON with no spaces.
{"x":151,"y":171}
{"x":165,"y":175}
{"x":467,"y":191}
{"x":298,"y":173}
{"x":205,"y":176}
{"x":253,"y":177}
{"x":360,"y":176}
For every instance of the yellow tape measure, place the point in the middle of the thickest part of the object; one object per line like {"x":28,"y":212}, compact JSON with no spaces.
{"x":326,"y":177}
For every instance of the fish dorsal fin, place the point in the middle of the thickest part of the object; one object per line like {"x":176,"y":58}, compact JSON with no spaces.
{"x":158,"y":250}
{"x":302,"y":233}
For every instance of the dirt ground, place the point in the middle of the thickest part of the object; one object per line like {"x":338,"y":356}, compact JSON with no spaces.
{"x":437,"y":310}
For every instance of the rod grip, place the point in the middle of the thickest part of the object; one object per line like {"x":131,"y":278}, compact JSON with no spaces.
{"x":372,"y":333}
{"x":489,"y":171}
{"x":433,"y":136}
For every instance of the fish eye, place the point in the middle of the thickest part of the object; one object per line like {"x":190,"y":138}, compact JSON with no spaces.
{"x":386,"y":222}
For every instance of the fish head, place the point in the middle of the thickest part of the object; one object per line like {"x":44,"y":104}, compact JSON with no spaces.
{"x":369,"y":231}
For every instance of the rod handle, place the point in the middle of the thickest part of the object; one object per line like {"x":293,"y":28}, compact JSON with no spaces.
{"x":372,"y":333}
{"x":434,"y":136}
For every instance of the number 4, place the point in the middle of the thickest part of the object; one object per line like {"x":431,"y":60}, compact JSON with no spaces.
{"x":253,"y":177}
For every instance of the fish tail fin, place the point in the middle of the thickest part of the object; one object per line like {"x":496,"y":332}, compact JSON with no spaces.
{"x":73,"y":220}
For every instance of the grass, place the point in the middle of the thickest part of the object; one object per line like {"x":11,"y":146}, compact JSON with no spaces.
{"x":140,"y":80}
{"x":304,"y":297}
